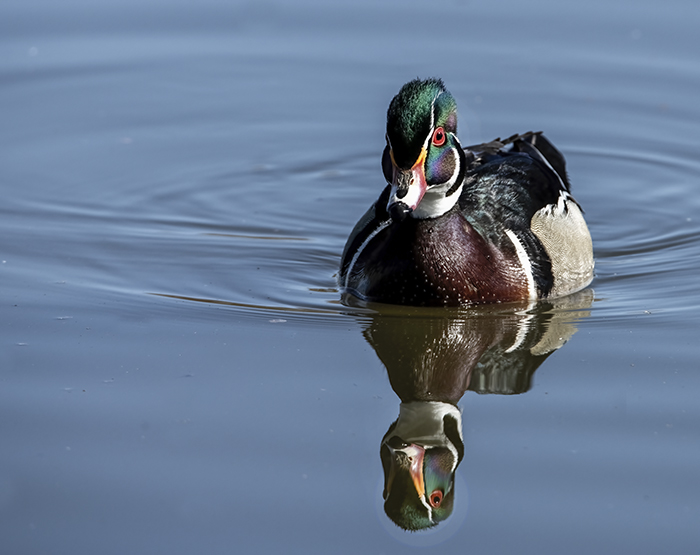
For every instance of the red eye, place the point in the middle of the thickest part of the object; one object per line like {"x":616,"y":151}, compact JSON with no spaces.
{"x":439,"y":137}
{"x":436,"y":497}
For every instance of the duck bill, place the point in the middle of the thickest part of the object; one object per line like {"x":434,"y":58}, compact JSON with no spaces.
{"x":407,"y":188}
{"x":416,"y":454}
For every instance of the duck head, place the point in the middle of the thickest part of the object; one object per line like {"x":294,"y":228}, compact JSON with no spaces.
{"x":420,"y":454}
{"x":423,"y":160}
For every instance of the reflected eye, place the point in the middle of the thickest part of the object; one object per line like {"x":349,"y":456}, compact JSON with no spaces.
{"x":435,"y":498}
{"x":439,"y":137}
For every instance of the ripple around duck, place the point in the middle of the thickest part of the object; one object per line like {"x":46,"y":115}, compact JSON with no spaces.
{"x":274,"y":258}
{"x":243,"y":242}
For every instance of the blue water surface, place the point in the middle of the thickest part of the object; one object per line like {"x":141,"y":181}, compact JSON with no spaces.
{"x":178,"y":373}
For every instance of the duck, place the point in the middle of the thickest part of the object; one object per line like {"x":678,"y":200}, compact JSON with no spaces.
{"x":489,"y":223}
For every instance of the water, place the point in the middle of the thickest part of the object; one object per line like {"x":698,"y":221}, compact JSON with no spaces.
{"x":178,"y":373}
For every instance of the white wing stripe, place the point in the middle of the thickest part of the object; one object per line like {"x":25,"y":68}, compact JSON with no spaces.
{"x":524,"y":262}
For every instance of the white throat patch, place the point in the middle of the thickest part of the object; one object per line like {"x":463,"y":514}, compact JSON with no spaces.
{"x":435,"y":203}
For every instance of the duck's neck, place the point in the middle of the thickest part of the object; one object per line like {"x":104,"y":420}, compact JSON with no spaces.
{"x":436,"y":202}
{"x":422,"y":422}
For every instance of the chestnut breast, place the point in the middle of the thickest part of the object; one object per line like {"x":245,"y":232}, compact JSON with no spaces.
{"x":441,"y":261}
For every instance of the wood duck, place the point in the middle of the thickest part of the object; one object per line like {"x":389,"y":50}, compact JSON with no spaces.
{"x":488,"y":223}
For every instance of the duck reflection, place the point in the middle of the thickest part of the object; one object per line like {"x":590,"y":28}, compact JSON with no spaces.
{"x":432,"y":358}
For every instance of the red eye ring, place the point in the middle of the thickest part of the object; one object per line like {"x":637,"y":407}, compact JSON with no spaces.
{"x":435,"y":499}
{"x":439,"y":136}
